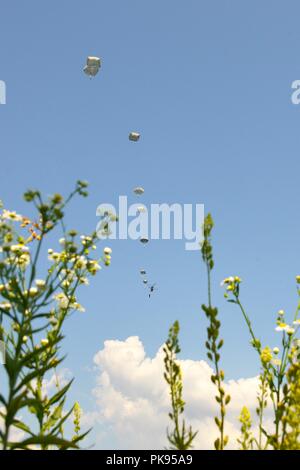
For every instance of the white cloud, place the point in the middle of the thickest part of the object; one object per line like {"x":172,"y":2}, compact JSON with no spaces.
{"x":132,"y":399}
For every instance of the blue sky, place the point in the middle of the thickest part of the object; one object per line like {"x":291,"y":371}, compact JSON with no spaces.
{"x":208,"y":85}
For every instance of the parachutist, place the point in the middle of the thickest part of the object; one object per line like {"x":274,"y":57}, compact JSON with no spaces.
{"x":151,"y":289}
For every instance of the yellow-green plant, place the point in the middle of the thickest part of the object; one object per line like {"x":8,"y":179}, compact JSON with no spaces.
{"x":291,"y":416}
{"x":77,"y":413}
{"x":274,"y":368}
{"x":180,"y":437}
{"x":262,"y":398}
{"x":33,"y":310}
{"x":214,"y":343}
{"x":279,"y":379}
{"x":246,"y":439}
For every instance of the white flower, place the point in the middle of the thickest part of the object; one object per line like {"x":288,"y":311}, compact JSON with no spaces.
{"x":77,"y":306}
{"x":65,"y":283}
{"x":290,"y":330}
{"x":40,"y":283}
{"x":282,"y":327}
{"x":5,"y":305}
{"x":11,"y":215}
{"x":227,"y":280}
{"x":81,"y":262}
{"x":93,"y":267}
{"x":44,"y":342}
{"x":19,"y":248}
{"x":33,"y":291}
{"x":62,"y":300}
{"x":85,"y":239}
{"x":107,"y":250}
{"x":276,"y":350}
{"x":281,"y":313}
{"x":53,"y":256}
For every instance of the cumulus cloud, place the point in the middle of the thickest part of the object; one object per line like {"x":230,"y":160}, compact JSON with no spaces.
{"x":132,"y":399}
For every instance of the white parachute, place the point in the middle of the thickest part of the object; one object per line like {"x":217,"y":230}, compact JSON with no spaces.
{"x":138,"y":190}
{"x":92,"y":67}
{"x":134,"y":136}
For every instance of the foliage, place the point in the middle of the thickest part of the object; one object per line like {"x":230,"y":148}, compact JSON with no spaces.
{"x":279,"y":379}
{"x":33,"y":311}
{"x":246,"y":439}
{"x":180,"y":437}
{"x":214,"y":343}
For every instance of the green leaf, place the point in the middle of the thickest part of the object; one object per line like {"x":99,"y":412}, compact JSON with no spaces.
{"x":37,"y":373}
{"x":44,"y":441}
{"x":60,"y":394}
{"x":20,"y":425}
{"x":61,"y":422}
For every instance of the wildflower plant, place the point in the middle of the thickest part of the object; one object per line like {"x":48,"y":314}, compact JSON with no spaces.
{"x":214,"y":343}
{"x":246,"y":439}
{"x":290,"y":439}
{"x":275,"y":373}
{"x":180,"y":438}
{"x":77,"y":413}
{"x":33,"y":311}
{"x":279,"y":379}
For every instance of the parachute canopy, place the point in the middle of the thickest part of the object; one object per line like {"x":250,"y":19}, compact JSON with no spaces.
{"x":134,"y":136}
{"x":145,"y":281}
{"x":139,"y":190}
{"x":92,"y":67}
{"x":144,"y":240}
{"x":143,"y":272}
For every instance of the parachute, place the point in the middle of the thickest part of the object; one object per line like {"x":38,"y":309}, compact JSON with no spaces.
{"x":92,"y":67}
{"x":143,"y":272}
{"x":139,"y":190}
{"x":134,"y":136}
{"x":144,"y":240}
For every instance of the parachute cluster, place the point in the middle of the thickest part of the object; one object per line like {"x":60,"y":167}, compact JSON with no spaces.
{"x":92,"y":67}
{"x":151,"y":287}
